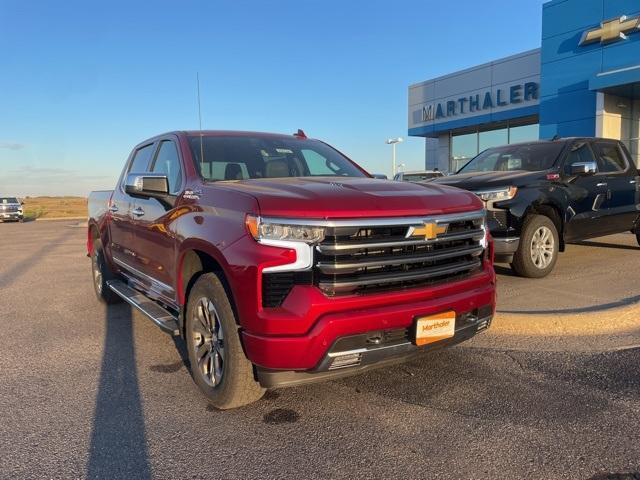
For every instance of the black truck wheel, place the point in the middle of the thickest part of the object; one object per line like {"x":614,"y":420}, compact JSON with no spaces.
{"x":538,"y":250}
{"x":218,"y":363}
{"x":638,"y":235}
{"x":101,"y":274}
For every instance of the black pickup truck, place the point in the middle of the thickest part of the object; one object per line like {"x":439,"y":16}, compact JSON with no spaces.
{"x":541,"y":195}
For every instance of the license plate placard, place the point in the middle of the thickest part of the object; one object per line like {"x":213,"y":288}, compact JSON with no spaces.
{"x":433,"y":328}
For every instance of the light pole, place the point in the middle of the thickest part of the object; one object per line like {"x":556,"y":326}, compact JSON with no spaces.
{"x":392,"y":142}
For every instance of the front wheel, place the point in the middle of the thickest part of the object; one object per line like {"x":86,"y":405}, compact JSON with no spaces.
{"x":538,"y":250}
{"x":638,"y":235}
{"x":218,"y":363}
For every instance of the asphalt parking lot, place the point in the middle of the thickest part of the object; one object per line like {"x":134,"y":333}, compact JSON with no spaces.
{"x":91,"y":391}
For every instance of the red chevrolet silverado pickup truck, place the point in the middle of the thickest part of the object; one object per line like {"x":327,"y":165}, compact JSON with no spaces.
{"x":282,"y":262}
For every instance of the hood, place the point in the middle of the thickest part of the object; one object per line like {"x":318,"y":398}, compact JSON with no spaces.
{"x":348,"y":197}
{"x":476,"y":181}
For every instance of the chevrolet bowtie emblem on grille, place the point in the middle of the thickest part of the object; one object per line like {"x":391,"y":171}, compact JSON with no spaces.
{"x":429,"y":231}
{"x":611,"y":30}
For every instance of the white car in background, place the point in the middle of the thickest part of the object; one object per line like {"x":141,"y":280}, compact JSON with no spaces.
{"x":418,"y":176}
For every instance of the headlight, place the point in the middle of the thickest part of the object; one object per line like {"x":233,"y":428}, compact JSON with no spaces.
{"x":264,"y":229}
{"x":499,"y":194}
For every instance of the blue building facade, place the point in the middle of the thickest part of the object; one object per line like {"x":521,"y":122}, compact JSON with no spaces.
{"x":583,"y":81}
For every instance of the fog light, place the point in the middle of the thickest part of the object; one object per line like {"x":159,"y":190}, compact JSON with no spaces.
{"x":346,"y":360}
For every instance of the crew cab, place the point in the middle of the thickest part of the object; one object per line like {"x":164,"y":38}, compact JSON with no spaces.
{"x":11,"y":209}
{"x":542,"y":195}
{"x":281,"y":262}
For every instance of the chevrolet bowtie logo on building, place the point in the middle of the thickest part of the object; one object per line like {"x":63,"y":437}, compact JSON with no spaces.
{"x":429,"y":231}
{"x":611,"y":30}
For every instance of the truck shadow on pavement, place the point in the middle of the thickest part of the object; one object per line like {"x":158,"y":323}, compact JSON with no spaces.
{"x":118,"y":447}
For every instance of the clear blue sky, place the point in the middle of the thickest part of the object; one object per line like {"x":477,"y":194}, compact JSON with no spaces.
{"x":82,"y":81}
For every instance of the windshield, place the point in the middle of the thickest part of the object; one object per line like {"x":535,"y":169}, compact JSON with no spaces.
{"x":531,"y":157}
{"x":416,"y":177}
{"x":244,"y":157}
{"x":9,"y":200}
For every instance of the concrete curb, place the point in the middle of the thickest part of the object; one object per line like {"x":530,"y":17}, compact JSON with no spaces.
{"x":612,"y":320}
{"x":594,"y":332}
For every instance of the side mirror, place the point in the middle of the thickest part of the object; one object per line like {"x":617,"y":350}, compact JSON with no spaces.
{"x":583,"y":168}
{"x":147,"y":185}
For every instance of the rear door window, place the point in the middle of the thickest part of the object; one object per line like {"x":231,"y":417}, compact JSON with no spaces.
{"x":141,"y":159}
{"x":610,"y":157}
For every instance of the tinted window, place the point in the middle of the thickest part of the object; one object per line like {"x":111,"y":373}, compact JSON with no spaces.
{"x":140,"y":163}
{"x":9,"y":200}
{"x":579,"y":153}
{"x":610,"y":158}
{"x":244,"y":157}
{"x":531,"y":157}
{"x":168,"y":162}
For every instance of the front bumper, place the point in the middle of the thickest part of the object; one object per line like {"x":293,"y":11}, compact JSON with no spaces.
{"x":505,"y":248}
{"x":363,"y":354}
{"x":308,"y":350}
{"x":15,"y":216}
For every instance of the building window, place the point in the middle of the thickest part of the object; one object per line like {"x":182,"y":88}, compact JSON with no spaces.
{"x":524,"y":133}
{"x":493,"y":138}
{"x":465,"y":146}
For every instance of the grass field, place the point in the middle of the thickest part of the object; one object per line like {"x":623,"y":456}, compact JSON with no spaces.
{"x":54,"y":207}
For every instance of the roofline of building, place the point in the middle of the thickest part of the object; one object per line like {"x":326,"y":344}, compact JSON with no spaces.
{"x":483,"y":65}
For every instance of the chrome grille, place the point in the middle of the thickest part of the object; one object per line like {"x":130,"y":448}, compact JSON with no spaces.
{"x":360,"y":258}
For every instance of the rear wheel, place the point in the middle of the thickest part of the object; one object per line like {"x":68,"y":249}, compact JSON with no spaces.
{"x":538,"y":250}
{"x":101,"y":274}
{"x":218,"y":363}
{"x":638,"y":235}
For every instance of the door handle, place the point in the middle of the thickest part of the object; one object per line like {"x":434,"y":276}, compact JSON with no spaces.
{"x":601,"y":184}
{"x":113,"y":208}
{"x":632,"y":181}
{"x":138,"y":212}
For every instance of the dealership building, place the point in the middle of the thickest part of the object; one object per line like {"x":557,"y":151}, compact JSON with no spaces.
{"x":584,"y":80}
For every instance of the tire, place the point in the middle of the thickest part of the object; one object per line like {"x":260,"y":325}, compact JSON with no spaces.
{"x":538,"y":250}
{"x":638,"y":235}
{"x":101,"y":274}
{"x":218,"y":364}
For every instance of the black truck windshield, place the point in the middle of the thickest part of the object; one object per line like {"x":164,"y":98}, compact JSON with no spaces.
{"x":8,"y":200}
{"x":244,"y":157}
{"x":532,"y":157}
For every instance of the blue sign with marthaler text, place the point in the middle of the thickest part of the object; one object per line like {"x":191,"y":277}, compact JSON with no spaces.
{"x":518,"y":93}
